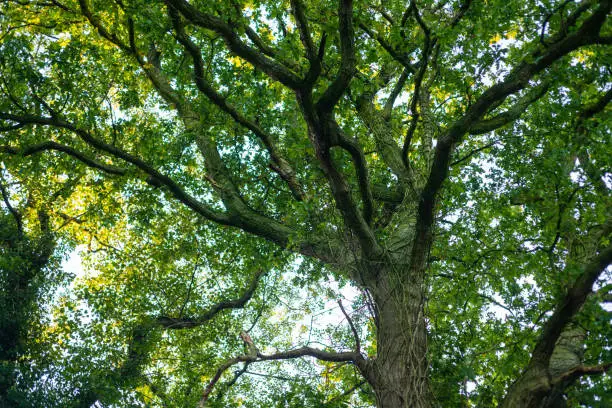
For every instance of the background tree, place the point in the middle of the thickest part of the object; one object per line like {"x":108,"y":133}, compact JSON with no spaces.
{"x":443,"y":160}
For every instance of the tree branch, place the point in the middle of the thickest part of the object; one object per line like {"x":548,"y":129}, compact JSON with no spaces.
{"x":510,"y":115}
{"x":156,"y":177}
{"x":473,"y":152}
{"x":514,"y":82}
{"x":352,"y":326}
{"x":268,"y":65}
{"x":7,"y":202}
{"x":580,"y":371}
{"x":297,"y":9}
{"x":51,"y":145}
{"x":417,"y":83}
{"x":333,"y":356}
{"x":187,"y":323}
{"x":362,"y":175}
{"x":291,"y":354}
{"x":569,"y":306}
{"x":240,"y":214}
{"x":334,"y":92}
{"x":402,"y":58}
{"x":397,"y":89}
{"x":279,"y":164}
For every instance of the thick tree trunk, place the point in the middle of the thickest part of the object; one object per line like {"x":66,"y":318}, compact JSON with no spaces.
{"x":399,"y":373}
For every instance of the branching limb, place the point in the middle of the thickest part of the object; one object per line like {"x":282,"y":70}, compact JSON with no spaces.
{"x":397,"y":89}
{"x":560,"y":7}
{"x":383,"y":132}
{"x":517,"y":79}
{"x":215,"y":379}
{"x":271,"y":67}
{"x":279,"y":164}
{"x":402,"y":57}
{"x":569,"y":306}
{"x":7,"y":202}
{"x":361,"y":169}
{"x":593,"y":172}
{"x":297,"y":9}
{"x":331,"y":356}
{"x":240,"y":214}
{"x":473,"y":152}
{"x":536,"y":384}
{"x":156,"y":177}
{"x":428,"y":42}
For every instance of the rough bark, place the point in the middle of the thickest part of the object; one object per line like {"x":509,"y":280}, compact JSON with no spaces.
{"x":399,"y":372}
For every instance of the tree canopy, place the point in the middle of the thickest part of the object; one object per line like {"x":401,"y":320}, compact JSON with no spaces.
{"x":305,"y":203}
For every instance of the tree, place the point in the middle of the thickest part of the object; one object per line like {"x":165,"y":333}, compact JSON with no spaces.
{"x":444,"y":159}
{"x":29,"y":268}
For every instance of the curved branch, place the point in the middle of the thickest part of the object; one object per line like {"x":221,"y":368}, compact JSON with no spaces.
{"x":186,"y":323}
{"x":7,"y":202}
{"x":397,"y":89}
{"x":297,"y":9}
{"x":473,"y":152}
{"x":569,"y":306}
{"x":291,"y":354}
{"x":581,"y":371}
{"x":268,"y":65}
{"x":352,"y":326}
{"x":402,"y":58}
{"x":428,"y":42}
{"x":333,"y":356}
{"x":51,"y":145}
{"x":362,"y":175}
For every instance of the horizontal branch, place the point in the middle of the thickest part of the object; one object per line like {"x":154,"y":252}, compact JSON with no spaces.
{"x":333,"y":356}
{"x":249,"y":358}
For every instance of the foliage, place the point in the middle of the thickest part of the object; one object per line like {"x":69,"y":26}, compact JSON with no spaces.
{"x":443,"y":167}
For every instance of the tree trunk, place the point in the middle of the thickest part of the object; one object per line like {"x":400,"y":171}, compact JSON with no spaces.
{"x":399,"y":375}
